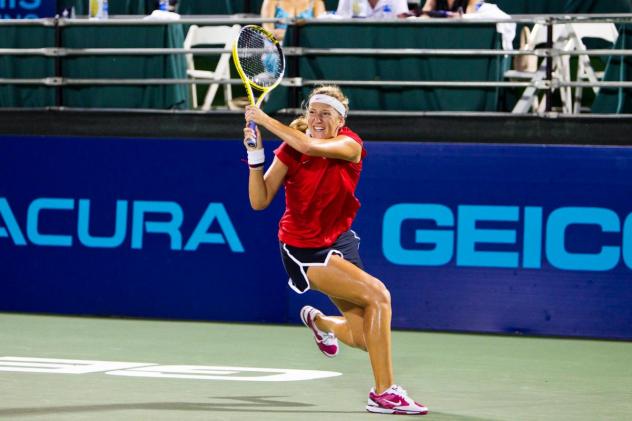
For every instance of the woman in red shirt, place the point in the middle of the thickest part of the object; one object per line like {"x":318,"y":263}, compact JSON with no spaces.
{"x":319,"y":164}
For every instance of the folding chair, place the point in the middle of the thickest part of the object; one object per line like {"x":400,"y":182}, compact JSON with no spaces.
{"x":210,"y":36}
{"x":566,"y":37}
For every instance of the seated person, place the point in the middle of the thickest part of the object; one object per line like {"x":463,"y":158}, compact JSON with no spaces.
{"x":281,"y":9}
{"x":449,"y":8}
{"x":371,"y":8}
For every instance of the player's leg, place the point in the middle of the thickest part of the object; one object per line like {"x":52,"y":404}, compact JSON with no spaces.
{"x":342,"y":280}
{"x":366,"y":305}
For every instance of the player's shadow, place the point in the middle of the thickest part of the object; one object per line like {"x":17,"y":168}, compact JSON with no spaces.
{"x":241,"y":404}
{"x":254,"y":404}
{"x":443,"y":416}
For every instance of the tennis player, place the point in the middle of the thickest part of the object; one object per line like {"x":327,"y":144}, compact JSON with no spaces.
{"x":319,"y":164}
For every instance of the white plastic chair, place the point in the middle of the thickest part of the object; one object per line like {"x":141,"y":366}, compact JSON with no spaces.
{"x":566,"y":37}
{"x":210,"y":36}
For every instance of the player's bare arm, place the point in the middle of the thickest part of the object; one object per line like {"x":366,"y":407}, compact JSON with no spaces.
{"x":339,"y":147}
{"x":263,"y":187}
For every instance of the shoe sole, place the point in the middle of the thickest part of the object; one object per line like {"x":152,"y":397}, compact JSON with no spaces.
{"x":303,"y":315}
{"x":379,"y":410}
{"x":376,"y":409}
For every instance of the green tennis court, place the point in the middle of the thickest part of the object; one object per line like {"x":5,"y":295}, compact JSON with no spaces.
{"x":460,"y":377}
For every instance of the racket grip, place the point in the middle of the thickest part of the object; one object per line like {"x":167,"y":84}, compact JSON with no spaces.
{"x":252,"y":141}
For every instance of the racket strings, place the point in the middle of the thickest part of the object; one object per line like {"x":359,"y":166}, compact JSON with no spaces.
{"x":259,"y":57}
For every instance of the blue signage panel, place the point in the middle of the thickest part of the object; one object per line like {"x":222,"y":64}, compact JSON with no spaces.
{"x":486,"y":238}
{"x":480,"y":238}
{"x":27,"y":9}
{"x":134,"y":227}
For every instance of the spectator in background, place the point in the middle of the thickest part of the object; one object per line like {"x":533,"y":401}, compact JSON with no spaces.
{"x":282,"y":9}
{"x":171,"y":5}
{"x":449,"y":8}
{"x":372,"y":8}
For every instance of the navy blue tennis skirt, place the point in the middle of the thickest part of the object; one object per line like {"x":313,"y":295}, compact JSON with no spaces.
{"x":296,"y":260}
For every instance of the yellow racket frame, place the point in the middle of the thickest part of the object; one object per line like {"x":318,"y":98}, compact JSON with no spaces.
{"x":248,"y":83}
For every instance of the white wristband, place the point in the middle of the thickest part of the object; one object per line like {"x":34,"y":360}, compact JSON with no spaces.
{"x":256,"y":157}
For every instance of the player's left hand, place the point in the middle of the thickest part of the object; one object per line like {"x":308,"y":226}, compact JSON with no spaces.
{"x":249,"y":134}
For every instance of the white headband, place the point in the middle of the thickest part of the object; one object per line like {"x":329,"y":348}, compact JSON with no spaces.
{"x":329,"y":100}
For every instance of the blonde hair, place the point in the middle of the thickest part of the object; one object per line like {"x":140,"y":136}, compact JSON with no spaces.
{"x":300,"y":123}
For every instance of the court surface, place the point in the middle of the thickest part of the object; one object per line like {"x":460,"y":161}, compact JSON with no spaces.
{"x":459,"y":377}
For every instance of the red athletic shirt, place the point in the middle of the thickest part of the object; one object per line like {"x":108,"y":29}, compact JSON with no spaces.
{"x":320,"y":203}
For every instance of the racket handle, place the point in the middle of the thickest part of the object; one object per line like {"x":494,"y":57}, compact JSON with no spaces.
{"x":252,"y":141}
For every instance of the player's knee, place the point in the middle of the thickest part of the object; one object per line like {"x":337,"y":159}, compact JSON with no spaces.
{"x":381,"y":295}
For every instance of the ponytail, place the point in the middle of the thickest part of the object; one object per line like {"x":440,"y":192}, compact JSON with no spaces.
{"x":299,"y":124}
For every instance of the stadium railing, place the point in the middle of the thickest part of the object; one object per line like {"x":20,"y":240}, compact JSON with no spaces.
{"x":547,"y":85}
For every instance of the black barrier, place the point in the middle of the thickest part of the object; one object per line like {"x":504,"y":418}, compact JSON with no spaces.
{"x":412,"y":127}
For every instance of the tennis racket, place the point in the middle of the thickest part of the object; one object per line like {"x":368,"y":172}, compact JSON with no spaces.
{"x":259,"y":60}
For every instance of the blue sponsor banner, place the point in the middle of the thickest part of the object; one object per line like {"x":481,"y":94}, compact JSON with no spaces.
{"x":27,"y":9}
{"x":149,"y":228}
{"x":479,"y":238}
{"x":530,"y":239}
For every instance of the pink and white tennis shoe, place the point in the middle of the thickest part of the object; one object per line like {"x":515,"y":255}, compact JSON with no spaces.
{"x":394,"y":400}
{"x":326,"y":342}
